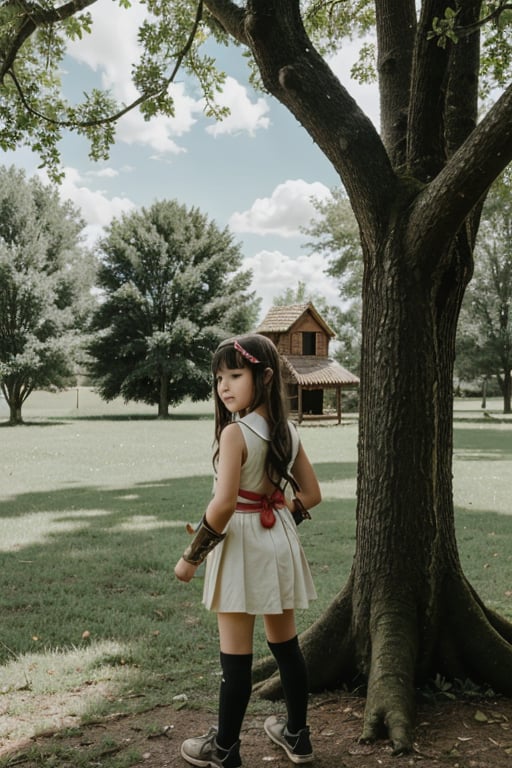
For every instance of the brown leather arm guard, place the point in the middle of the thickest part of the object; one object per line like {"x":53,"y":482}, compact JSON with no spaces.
{"x":300,"y":513}
{"x":205,"y":540}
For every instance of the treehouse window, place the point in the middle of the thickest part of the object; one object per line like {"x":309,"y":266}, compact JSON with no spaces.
{"x":309,"y":343}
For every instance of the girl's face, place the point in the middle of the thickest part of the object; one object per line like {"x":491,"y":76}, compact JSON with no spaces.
{"x":235,"y":387}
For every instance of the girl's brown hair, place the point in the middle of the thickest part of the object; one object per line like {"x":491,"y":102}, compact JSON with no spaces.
{"x":268,"y":393}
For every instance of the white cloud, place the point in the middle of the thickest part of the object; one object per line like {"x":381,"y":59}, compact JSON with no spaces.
{"x":245,"y":115}
{"x":96,"y":52}
{"x":95,"y":207}
{"x":156,"y":133}
{"x":111,"y":55}
{"x":104,"y":173}
{"x":284,"y":212}
{"x":274,"y":272}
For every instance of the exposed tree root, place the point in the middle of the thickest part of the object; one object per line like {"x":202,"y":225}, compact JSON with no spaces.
{"x":479,"y":638}
{"x":391,"y":691}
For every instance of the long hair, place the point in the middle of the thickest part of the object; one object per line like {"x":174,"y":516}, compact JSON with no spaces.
{"x":270,"y":394}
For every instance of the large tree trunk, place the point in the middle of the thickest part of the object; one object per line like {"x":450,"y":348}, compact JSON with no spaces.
{"x":15,"y":395}
{"x":163,"y":403}
{"x":407,"y":610}
{"x":15,"y":416}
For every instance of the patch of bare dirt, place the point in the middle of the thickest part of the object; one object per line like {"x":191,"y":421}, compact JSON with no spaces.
{"x":476,"y":734}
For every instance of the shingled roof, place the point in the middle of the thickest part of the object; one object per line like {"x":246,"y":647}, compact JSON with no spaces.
{"x":312,"y":371}
{"x":281,"y":319}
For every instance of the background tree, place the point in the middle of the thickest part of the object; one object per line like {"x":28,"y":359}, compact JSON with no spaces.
{"x":335,"y":234}
{"x":41,"y":297}
{"x":172,"y":289}
{"x":484,"y":342}
{"x":407,"y":610}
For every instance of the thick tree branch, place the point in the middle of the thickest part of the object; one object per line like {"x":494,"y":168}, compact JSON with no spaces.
{"x":425,"y":150}
{"x":113,"y":118}
{"x":230,"y":16}
{"x":469,"y":29}
{"x":462,"y":92}
{"x":451,"y":196}
{"x":32,"y":16}
{"x":396,"y":26}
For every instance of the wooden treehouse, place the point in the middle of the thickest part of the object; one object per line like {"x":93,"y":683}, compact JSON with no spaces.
{"x":302,"y":337}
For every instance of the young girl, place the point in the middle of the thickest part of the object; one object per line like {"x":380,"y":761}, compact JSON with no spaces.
{"x":257,"y":565}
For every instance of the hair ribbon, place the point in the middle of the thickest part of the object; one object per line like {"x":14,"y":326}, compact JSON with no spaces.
{"x":245,"y":353}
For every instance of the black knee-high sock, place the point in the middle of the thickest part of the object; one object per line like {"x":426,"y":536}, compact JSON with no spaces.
{"x":294,"y":679}
{"x":235,"y":692}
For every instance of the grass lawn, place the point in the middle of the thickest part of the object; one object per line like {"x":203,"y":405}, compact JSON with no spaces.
{"x":93,"y":502}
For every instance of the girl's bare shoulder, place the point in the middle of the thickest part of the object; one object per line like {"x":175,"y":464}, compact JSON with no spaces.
{"x":231,"y":433}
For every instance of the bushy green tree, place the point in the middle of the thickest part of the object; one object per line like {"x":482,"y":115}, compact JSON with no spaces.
{"x":484,"y":343}
{"x":41,"y":294}
{"x":172,"y":288}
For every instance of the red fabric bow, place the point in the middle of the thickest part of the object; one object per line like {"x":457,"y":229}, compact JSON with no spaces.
{"x":265,"y":505}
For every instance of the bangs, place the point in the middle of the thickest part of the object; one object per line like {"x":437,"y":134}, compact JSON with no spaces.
{"x":227,"y":357}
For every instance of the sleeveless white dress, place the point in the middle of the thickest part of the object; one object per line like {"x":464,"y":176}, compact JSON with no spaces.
{"x":254,"y":569}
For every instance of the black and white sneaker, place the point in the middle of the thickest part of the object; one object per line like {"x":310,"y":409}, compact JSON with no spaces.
{"x":204,"y":752}
{"x":296,"y":745}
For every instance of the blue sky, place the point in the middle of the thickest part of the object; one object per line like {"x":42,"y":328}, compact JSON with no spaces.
{"x":254,"y":172}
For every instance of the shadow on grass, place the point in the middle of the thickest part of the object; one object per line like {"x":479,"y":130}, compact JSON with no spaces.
{"x":52,"y":421}
{"x":57,"y":422}
{"x":89,"y":601}
{"x":485,"y":545}
{"x":486,"y":443}
{"x":146,"y":417}
{"x":330,"y":471}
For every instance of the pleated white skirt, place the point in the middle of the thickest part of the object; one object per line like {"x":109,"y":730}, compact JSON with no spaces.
{"x":258,"y":570}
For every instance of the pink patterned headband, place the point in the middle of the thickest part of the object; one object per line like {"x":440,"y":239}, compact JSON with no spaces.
{"x":245,"y":353}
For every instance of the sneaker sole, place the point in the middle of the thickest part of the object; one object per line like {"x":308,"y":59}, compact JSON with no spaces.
{"x":297,"y":759}
{"x":196,"y":761}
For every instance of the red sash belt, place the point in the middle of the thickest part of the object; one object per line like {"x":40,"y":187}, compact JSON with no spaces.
{"x":265,"y":505}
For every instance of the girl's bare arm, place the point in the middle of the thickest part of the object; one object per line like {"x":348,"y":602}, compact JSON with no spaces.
{"x":302,"y":470}
{"x":222,"y":505}
{"x":232,"y":454}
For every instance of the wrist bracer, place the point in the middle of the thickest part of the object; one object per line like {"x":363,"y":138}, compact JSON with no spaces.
{"x":205,"y":540}
{"x":300,"y":512}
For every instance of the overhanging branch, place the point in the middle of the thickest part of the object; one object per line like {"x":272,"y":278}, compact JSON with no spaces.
{"x":31,"y":17}
{"x":116,"y":115}
{"x":230,"y":16}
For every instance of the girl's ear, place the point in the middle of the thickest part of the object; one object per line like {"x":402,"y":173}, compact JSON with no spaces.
{"x":267,"y":376}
